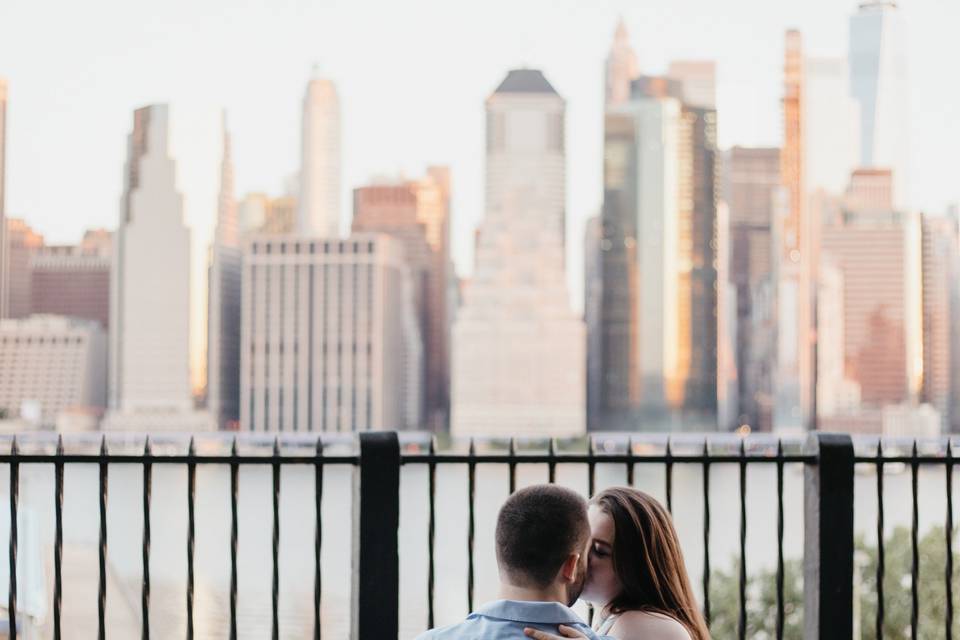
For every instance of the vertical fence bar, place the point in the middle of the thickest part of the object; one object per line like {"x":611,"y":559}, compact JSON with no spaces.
{"x":630,"y":461}
{"x":317,"y":536}
{"x":376,"y":556}
{"x":14,"y":499}
{"x":102,"y":595}
{"x":58,"y":540}
{"x":191,"y":531}
{"x":828,"y":538}
{"x":552,"y":465}
{"x":145,"y":551}
{"x":591,"y":466}
{"x":914,"y":546}
{"x":742,"y":622}
{"x":706,"y":530}
{"x":513,"y":465}
{"x":881,"y":558}
{"x":668,"y":470}
{"x":780,"y":572}
{"x":948,"y":528}
{"x":234,"y":531}
{"x":471,"y":525}
{"x":432,"y":530}
{"x":275,"y":551}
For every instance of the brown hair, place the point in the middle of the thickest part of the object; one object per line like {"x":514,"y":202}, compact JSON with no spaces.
{"x":648,"y":561}
{"x":537,"y":529}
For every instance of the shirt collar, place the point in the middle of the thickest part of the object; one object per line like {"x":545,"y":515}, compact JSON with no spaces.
{"x":524,"y":611}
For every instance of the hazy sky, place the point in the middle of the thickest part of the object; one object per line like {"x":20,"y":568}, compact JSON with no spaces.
{"x":412,"y":78}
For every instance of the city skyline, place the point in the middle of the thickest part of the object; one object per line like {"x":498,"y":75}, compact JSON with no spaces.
{"x":262,"y":90}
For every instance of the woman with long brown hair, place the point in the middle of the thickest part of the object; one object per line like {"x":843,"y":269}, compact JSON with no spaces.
{"x":637,"y":581}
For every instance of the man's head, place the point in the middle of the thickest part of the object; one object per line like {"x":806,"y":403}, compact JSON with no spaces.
{"x":542,"y":538}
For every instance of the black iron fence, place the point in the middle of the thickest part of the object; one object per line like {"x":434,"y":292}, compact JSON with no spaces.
{"x":829,"y":462}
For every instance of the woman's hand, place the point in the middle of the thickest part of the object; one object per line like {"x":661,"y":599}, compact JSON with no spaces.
{"x":565,"y":632}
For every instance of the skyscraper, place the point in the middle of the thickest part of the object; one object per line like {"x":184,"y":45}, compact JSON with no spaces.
{"x":878,"y":252}
{"x":417,"y":212}
{"x":621,"y":67}
{"x":837,"y":394}
{"x":728,"y":396}
{"x":941,"y":315}
{"x":593,"y":316}
{"x":752,"y":185}
{"x":620,"y":70}
{"x":831,"y":128}
{"x":319,"y":204}
{"x":659,"y":344}
{"x":699,"y":81}
{"x":518,"y":348}
{"x":223,"y":341}
{"x":878,"y":82}
{"x":330,"y":336}
{"x":794,"y":403}
{"x":3,"y":225}
{"x":150,"y":310}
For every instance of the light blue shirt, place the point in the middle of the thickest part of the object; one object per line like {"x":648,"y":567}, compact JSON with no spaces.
{"x":505,"y":620}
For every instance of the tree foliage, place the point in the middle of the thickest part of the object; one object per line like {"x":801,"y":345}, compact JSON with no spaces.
{"x":761,"y":593}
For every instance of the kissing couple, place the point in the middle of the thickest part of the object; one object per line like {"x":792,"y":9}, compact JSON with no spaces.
{"x":618,"y":552}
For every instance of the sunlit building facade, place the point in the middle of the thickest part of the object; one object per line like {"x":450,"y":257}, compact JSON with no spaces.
{"x":417,"y":212}
{"x":660,"y":290}
{"x":795,"y":255}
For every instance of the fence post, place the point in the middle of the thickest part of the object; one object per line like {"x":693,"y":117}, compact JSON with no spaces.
{"x":376,"y":519}
{"x":828,"y":538}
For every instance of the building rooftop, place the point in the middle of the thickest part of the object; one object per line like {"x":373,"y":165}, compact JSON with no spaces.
{"x":525,"y":81}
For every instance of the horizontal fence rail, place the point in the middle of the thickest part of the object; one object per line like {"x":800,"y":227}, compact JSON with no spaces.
{"x":828,"y":461}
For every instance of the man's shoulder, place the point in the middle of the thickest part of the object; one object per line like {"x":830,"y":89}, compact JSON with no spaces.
{"x":461,"y":630}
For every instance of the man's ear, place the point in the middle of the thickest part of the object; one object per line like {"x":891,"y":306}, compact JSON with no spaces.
{"x":569,"y":569}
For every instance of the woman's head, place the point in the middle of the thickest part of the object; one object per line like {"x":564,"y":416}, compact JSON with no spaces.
{"x":635,"y":559}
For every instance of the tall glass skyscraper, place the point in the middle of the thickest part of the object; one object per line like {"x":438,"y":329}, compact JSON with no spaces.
{"x":223,"y":326}
{"x":878,"y":81}
{"x":659,"y":309}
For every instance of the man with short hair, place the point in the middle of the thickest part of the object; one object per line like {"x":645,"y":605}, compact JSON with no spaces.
{"x":542,"y":539}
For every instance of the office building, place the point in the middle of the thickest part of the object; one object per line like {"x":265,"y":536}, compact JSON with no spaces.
{"x":330,"y":339}
{"x":519,"y":356}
